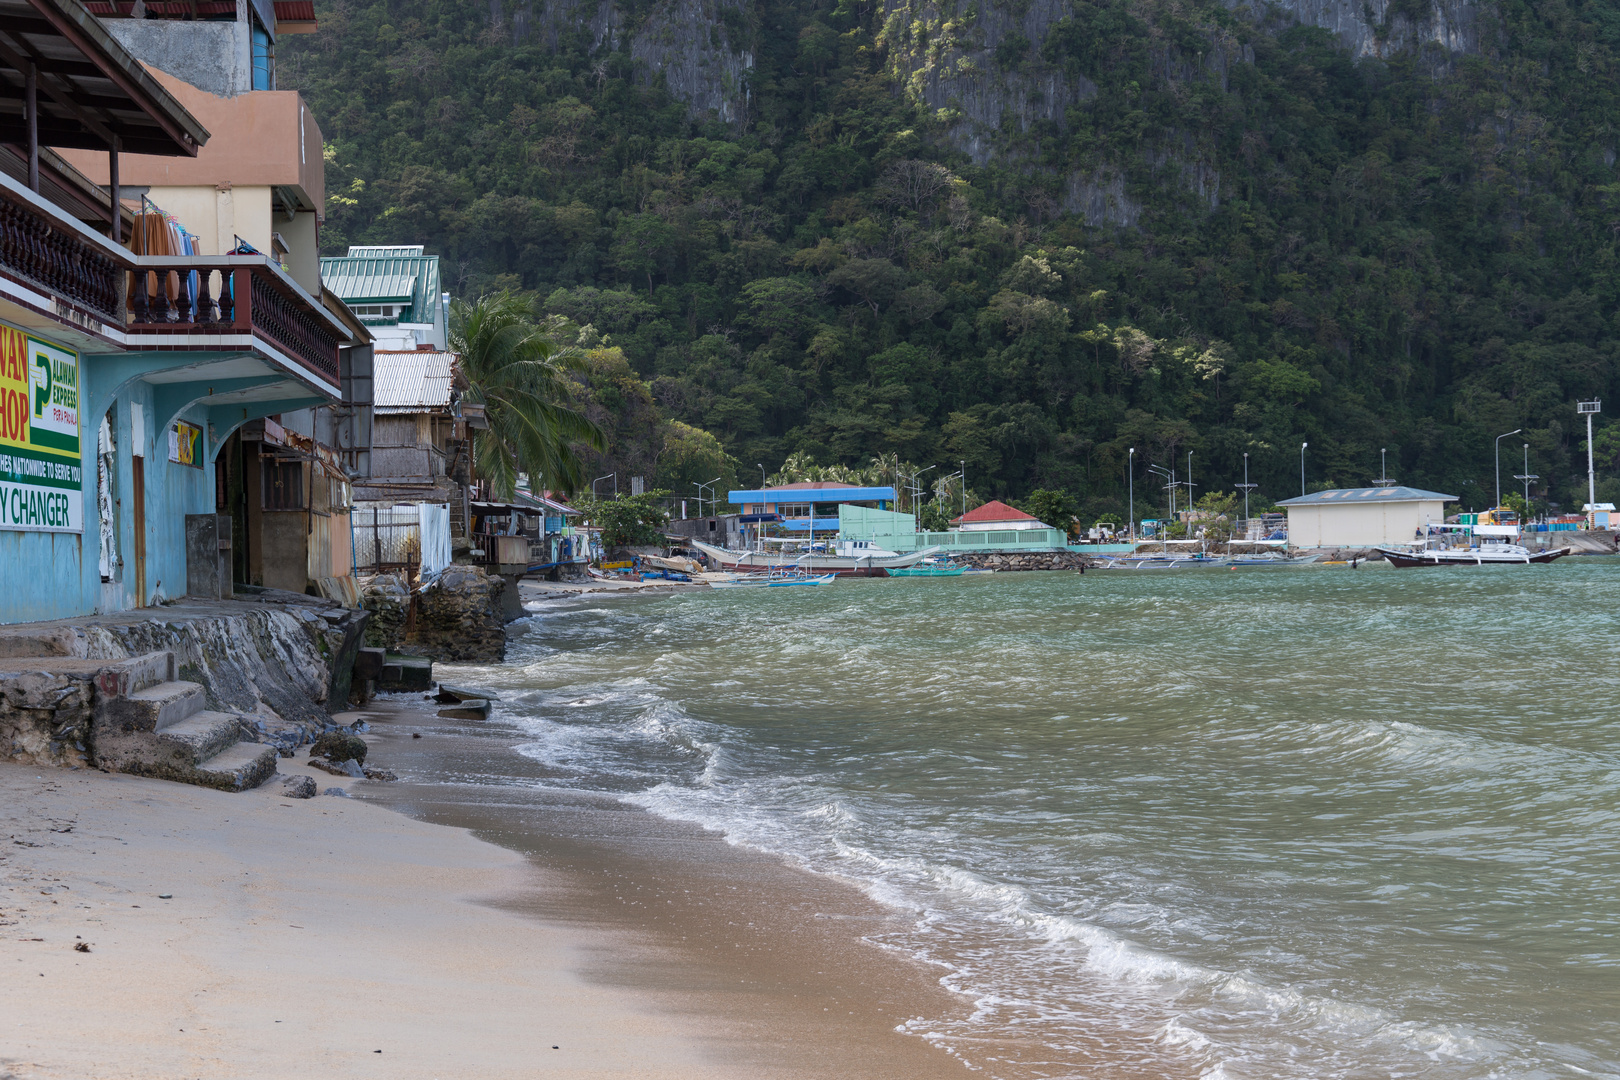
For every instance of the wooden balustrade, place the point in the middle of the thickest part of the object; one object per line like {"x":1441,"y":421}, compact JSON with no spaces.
{"x":166,"y":295}
{"x":42,"y":253}
{"x":229,"y":298}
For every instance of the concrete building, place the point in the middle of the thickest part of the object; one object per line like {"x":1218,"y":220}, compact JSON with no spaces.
{"x":116,"y":403}
{"x":260,"y":181}
{"x":396,"y":292}
{"x":1362,"y":517}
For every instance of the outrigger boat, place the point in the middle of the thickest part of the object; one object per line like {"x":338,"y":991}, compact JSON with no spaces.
{"x":1492,"y":548}
{"x":933,"y":566}
{"x":772,"y":580}
{"x":853,"y":557}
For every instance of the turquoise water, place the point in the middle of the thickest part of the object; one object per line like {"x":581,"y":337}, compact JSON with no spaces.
{"x":1317,"y":823}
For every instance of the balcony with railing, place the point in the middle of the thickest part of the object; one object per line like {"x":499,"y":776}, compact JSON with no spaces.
{"x":160,"y":301}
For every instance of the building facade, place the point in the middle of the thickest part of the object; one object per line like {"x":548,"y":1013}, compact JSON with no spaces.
{"x":122,"y":373}
{"x":396,"y":292}
{"x":1363,"y":517}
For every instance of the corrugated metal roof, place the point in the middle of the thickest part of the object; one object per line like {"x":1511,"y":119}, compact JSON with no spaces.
{"x":356,"y":281}
{"x":411,"y":382}
{"x":395,"y":275}
{"x":397,"y":251}
{"x":1368,"y":495}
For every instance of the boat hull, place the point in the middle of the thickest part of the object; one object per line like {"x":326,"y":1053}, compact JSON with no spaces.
{"x":842,"y":565}
{"x":1406,"y":559}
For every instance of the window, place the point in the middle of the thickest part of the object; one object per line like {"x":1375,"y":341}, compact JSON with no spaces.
{"x":283,"y":484}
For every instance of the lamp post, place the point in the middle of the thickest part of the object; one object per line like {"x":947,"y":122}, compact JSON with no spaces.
{"x":1130,"y":470}
{"x":1170,"y":486}
{"x":599,"y":479}
{"x":1383,"y":469}
{"x":1189,"y":486}
{"x":1499,"y":439}
{"x":914,"y":490}
{"x":1302,"y":447}
{"x":1246,"y":486}
{"x":1526,"y":476}
{"x":964,"y":487}
{"x":1589,"y":409}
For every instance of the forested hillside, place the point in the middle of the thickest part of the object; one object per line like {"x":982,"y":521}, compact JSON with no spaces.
{"x":1022,"y":233}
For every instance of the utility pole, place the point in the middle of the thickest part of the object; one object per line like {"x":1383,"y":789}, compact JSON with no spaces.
{"x":1589,"y":409}
{"x":1189,"y":486}
{"x":1526,"y":476}
{"x":1302,"y":447}
{"x":1246,"y":486}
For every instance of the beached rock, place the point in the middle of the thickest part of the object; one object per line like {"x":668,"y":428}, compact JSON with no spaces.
{"x":1035,"y":560}
{"x":299,"y":787}
{"x":339,"y":746}
{"x":374,"y":773}
{"x":336,"y":791}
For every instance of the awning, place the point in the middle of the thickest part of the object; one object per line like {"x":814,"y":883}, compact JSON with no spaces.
{"x":89,"y":87}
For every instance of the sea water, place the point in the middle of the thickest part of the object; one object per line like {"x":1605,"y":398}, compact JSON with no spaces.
{"x":1313,"y":822}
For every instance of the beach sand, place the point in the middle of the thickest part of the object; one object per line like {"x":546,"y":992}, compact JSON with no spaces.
{"x":302,"y":937}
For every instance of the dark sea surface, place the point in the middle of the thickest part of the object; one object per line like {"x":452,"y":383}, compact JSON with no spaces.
{"x":1313,"y":823}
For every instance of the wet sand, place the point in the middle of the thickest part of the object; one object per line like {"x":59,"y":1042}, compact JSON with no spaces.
{"x":769,"y":960}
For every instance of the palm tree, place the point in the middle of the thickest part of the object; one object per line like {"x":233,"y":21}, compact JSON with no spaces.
{"x":516,"y":368}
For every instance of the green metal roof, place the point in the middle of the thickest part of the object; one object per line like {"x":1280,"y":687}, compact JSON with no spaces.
{"x":410,"y":279}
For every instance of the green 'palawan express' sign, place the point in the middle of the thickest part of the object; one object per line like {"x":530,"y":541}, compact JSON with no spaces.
{"x":41,"y":470}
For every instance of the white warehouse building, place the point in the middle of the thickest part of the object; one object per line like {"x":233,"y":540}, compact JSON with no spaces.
{"x":1363,"y":517}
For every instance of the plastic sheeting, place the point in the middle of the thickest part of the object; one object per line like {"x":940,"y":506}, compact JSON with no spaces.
{"x":435,"y":522}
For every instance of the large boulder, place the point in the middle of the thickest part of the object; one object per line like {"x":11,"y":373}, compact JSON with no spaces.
{"x":458,"y":618}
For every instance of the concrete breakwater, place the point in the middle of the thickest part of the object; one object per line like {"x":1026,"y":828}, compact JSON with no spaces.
{"x":279,"y":661}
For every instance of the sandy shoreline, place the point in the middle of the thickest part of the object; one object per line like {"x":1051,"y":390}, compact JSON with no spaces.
{"x":303,"y":936}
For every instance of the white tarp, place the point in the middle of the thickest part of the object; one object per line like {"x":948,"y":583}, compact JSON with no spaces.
{"x":435,"y":519}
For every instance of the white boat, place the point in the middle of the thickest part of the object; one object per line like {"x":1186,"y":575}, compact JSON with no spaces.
{"x":858,"y":557}
{"x":772,"y":580}
{"x":1493,"y":547}
{"x":1486,"y":554}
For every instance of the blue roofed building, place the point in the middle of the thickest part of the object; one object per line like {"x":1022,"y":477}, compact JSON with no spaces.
{"x":808,"y":504}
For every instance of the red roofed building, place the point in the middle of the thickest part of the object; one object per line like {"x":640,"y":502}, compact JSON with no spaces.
{"x":996,"y":515}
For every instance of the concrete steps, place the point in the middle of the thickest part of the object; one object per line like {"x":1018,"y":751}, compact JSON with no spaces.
{"x":164,"y":730}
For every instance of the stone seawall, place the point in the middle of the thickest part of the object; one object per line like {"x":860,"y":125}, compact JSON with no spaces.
{"x":284,"y":663}
{"x":460,"y":618}
{"x":1033,"y":560}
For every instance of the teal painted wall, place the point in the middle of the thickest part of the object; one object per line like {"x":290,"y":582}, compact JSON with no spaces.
{"x":57,"y":575}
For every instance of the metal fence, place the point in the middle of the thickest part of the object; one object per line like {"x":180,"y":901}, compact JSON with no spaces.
{"x":386,"y":538}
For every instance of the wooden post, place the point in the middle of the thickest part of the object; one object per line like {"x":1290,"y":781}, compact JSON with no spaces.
{"x":117,"y":229}
{"x":31,"y":103}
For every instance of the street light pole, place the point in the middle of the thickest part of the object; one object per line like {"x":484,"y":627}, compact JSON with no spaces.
{"x":1499,"y":439}
{"x":1246,"y":486}
{"x":1302,"y":447}
{"x":1189,"y":491}
{"x":599,"y":479}
{"x":1589,"y":409}
{"x":1130,"y":469}
{"x":1383,"y":468}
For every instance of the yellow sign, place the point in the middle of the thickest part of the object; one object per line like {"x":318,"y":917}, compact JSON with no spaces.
{"x":41,"y":474}
{"x":185,"y":444}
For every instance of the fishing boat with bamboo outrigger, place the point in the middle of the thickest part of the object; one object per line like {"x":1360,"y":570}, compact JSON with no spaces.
{"x":770,"y":579}
{"x":933,"y":566}
{"x":1449,"y":545}
{"x":859,"y":558}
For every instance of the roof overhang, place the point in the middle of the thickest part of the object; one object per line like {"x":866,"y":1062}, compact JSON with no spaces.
{"x":90,"y":89}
